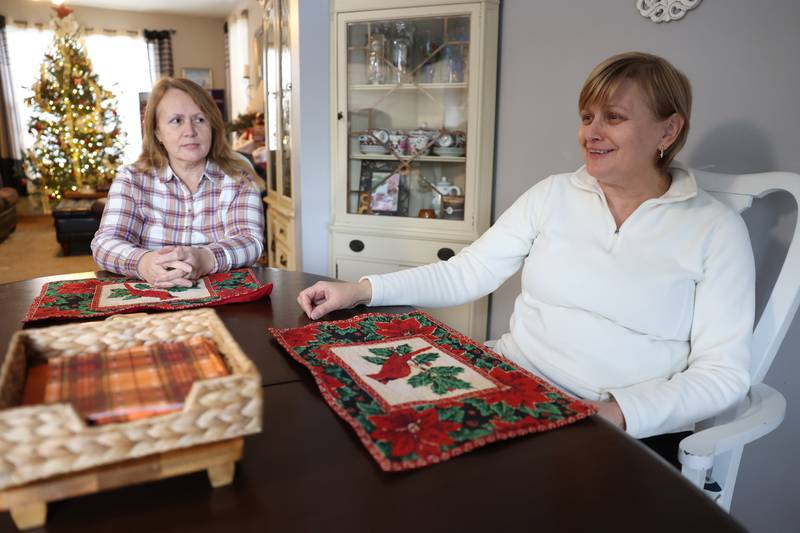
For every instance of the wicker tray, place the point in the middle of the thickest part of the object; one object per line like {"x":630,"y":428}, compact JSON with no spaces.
{"x":41,"y":441}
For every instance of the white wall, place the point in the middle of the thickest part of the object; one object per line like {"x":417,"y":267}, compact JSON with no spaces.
{"x":742,"y":59}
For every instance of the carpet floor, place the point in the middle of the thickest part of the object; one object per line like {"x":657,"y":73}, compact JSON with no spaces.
{"x":33,"y":251}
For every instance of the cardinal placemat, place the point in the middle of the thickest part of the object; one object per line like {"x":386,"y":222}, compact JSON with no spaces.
{"x":87,"y":298}
{"x":417,"y":392}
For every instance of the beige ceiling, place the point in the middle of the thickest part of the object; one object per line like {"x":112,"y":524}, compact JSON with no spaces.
{"x":204,"y":8}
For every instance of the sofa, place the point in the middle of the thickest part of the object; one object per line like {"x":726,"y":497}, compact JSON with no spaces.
{"x":8,"y":211}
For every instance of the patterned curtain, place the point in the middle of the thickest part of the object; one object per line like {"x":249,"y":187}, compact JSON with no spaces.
{"x":159,"y":51}
{"x":227,"y":65}
{"x":10,"y":128}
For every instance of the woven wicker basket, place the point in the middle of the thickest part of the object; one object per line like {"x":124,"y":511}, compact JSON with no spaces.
{"x":41,"y":441}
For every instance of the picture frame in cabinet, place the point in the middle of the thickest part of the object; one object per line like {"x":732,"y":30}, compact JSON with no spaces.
{"x":383,"y":190}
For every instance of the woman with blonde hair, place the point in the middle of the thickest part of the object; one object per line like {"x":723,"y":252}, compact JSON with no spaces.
{"x":637,"y":286}
{"x":189,"y":205}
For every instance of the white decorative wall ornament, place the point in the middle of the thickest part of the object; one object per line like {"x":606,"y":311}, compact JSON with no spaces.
{"x":665,"y":10}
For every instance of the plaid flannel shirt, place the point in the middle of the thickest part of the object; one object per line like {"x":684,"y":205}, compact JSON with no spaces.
{"x":148,"y":211}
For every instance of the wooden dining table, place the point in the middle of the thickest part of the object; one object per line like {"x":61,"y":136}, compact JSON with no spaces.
{"x":307,"y":470}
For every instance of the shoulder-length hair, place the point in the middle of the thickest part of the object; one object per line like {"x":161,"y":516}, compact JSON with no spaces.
{"x":154,"y":156}
{"x":667,"y":90}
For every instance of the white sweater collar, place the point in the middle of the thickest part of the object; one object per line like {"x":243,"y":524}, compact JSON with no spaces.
{"x":683,"y":186}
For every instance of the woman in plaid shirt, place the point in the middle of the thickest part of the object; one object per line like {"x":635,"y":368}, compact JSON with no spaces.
{"x":189,"y":205}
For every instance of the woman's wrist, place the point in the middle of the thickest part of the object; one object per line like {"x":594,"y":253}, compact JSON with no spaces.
{"x":364,"y":292}
{"x":208,"y":261}
{"x":141,"y":263}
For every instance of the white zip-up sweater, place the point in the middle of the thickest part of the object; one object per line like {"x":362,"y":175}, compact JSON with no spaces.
{"x":657,"y":313}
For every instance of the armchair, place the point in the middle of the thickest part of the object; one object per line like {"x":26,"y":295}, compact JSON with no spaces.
{"x":714,"y":451}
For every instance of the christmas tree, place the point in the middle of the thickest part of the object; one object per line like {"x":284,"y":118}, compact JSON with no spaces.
{"x":78,"y":138}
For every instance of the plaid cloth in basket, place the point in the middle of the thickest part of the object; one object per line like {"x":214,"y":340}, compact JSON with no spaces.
{"x":86,"y":298}
{"x":417,"y":392}
{"x":124,"y":385}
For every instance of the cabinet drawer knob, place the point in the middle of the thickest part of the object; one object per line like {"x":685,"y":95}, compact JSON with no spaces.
{"x":283,"y":261}
{"x":356,"y":245}
{"x":445,"y":253}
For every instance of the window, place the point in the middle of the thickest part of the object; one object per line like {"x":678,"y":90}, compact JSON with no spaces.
{"x":120,"y":62}
{"x":23,"y":44}
{"x":240,"y":58}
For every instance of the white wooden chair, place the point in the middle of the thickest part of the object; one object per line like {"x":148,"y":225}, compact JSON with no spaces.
{"x":715,"y":449}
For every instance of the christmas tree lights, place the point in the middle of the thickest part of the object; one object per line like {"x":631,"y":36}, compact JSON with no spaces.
{"x":78,"y":138}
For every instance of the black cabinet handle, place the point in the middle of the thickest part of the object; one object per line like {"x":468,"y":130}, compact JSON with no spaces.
{"x":445,"y":253}
{"x":356,"y":245}
{"x":283,"y":261}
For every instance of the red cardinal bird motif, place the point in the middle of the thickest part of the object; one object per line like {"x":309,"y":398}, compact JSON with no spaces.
{"x":148,"y":293}
{"x":395,"y":367}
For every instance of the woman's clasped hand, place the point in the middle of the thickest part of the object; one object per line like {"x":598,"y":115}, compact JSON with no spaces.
{"x":175,"y":266}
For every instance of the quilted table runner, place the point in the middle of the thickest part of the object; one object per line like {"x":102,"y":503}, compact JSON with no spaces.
{"x":417,"y":392}
{"x":87,"y":298}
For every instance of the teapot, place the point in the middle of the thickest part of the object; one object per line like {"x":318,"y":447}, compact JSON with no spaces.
{"x":446,"y":188}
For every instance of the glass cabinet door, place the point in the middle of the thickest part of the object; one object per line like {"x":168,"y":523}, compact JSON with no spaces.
{"x":271,"y":84}
{"x":407,"y":116}
{"x":285,"y":100}
{"x":278,"y":88}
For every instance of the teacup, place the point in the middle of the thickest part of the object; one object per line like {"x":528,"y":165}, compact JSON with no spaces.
{"x":459,"y":139}
{"x":452,"y":139}
{"x":374,"y":138}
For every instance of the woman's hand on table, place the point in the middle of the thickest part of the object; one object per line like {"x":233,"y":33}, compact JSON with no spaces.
{"x":326,"y":296}
{"x":609,"y":409}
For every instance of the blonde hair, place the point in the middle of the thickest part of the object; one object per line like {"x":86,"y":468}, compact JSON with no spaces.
{"x":154,"y":156}
{"x":667,"y":90}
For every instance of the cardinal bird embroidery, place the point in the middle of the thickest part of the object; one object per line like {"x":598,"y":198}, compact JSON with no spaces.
{"x":396,"y":366}
{"x":148,"y":293}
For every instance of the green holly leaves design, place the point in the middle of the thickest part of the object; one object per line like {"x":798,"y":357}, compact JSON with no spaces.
{"x":441,"y":379}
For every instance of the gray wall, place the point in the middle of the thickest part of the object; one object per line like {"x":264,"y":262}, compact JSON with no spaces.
{"x":742,"y":58}
{"x":314,"y":212}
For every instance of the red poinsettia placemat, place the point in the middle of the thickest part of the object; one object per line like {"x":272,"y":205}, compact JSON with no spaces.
{"x":417,"y":392}
{"x":86,"y":298}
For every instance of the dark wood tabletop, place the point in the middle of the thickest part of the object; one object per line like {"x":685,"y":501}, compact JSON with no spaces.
{"x":307,"y":470}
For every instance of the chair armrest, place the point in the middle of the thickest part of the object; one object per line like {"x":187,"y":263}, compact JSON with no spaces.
{"x":765,"y":413}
